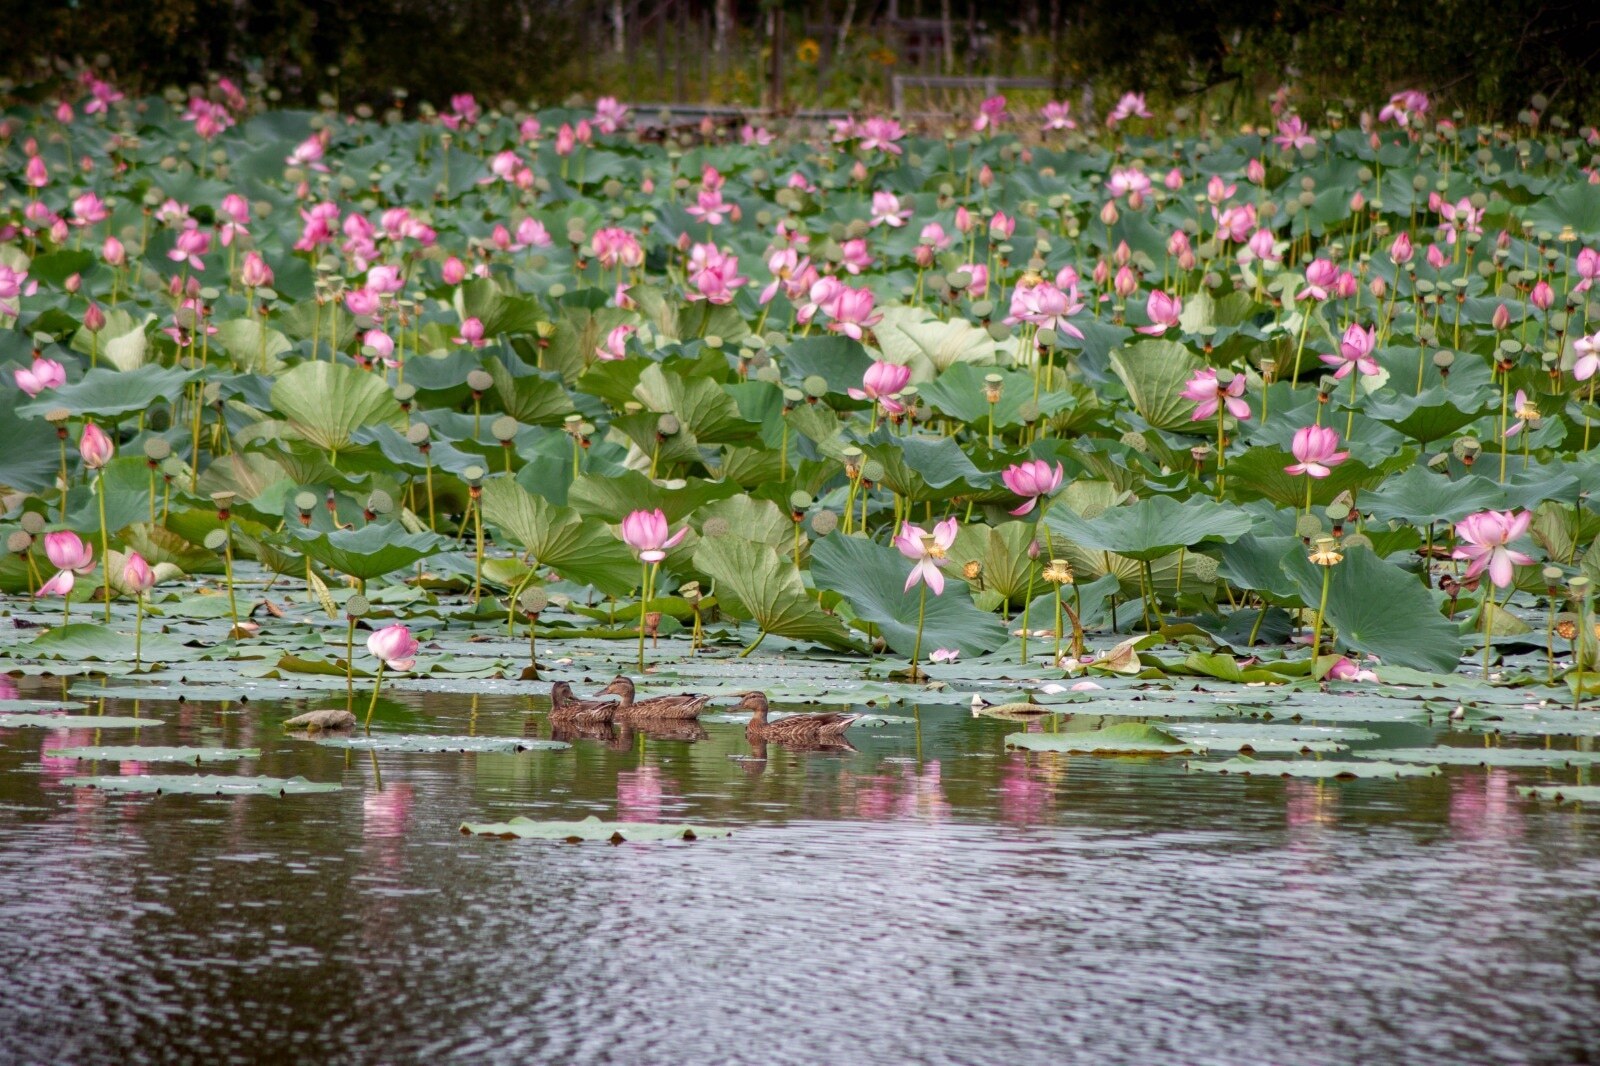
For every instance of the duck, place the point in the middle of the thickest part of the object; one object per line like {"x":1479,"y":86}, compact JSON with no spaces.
{"x":565,"y":707}
{"x":688,"y":705}
{"x":797,"y":729}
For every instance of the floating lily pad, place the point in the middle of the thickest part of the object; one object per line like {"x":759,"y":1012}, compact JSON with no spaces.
{"x":1266,"y":738}
{"x":1456,"y":756}
{"x":424,"y":743}
{"x":205,"y":785}
{"x":1562,"y":793}
{"x":39,"y":706}
{"x":1245,"y":766}
{"x":1128,"y":738}
{"x":592,"y":829}
{"x":73,"y":721}
{"x":138,"y":753}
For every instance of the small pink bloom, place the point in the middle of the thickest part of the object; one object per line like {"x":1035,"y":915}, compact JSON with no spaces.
{"x":1032,"y":479}
{"x":1208,"y":395}
{"x":882,"y":382}
{"x":394,"y":646}
{"x":646,"y":532}
{"x":471,"y":333}
{"x":1316,"y":448}
{"x":41,"y":375}
{"x":137,"y":575}
{"x":927,"y":551}
{"x":1355,"y":352}
{"x":616,"y":344}
{"x":1164,"y":312}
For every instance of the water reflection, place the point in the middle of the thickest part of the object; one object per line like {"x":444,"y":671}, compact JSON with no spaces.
{"x":1019,"y":907}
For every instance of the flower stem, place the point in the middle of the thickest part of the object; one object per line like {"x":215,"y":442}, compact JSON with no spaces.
{"x":349,"y":664}
{"x":1322,"y":606}
{"x":1488,"y":627}
{"x":377,"y":684}
{"x":922,"y":607}
{"x":105,"y":541}
{"x":644,"y":603}
{"x":138,"y":631}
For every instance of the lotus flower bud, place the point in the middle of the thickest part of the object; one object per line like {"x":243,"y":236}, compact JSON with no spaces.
{"x":1108,"y":213}
{"x":1501,"y":318}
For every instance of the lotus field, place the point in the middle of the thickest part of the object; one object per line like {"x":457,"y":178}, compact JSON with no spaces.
{"x":1092,"y":411}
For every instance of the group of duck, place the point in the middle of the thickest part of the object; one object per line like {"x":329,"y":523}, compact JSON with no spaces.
{"x":627,"y":709}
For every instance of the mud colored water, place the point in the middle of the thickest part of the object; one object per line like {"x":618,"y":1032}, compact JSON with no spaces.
{"x":927,"y":898}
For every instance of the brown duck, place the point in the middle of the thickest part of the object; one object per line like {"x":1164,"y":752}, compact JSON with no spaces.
{"x":565,"y":707}
{"x":796,"y":729}
{"x":674,"y":708}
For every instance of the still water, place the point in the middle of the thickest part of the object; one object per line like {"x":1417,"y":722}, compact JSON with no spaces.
{"x":928,"y":898}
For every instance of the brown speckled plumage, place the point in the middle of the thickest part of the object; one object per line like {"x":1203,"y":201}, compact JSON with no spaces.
{"x":565,"y":707}
{"x":671,"y":708}
{"x":796,"y":729}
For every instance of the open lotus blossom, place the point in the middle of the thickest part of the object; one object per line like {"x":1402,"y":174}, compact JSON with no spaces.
{"x":1347,"y":669}
{"x":944,"y":655}
{"x":927,"y":551}
{"x":1131,"y":105}
{"x":1355,"y":352}
{"x":616,"y":345}
{"x":1208,"y":395}
{"x":1316,"y":448}
{"x":41,"y":375}
{"x":1164,"y":312}
{"x":1321,"y":277}
{"x":1057,"y":115}
{"x":880,"y":135}
{"x":70,"y":556}
{"x":610,"y":115}
{"x":394,"y":646}
{"x":713,"y":274}
{"x":95,"y":447}
{"x":254,"y":273}
{"x":1525,"y":413}
{"x":1484,"y":538}
{"x":881,"y":382}
{"x":991,"y":113}
{"x":647,"y":533}
{"x":1405,"y":108}
{"x":886,"y":210}
{"x":1587,"y":350}
{"x":1047,"y":306}
{"x":853,"y":312}
{"x":1293,"y":134}
{"x":1032,"y":479}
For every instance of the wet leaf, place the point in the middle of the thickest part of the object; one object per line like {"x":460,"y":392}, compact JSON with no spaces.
{"x":592,"y":829}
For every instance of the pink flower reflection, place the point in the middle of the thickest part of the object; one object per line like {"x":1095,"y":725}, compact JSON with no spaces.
{"x":1026,"y":792}
{"x":387,"y":813}
{"x":1310,"y":803}
{"x":1482,"y":806}
{"x":56,"y":767}
{"x":639,"y":795}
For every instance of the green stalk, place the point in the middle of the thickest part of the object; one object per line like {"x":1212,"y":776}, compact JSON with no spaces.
{"x":1322,"y":606}
{"x":105,"y":541}
{"x":138,"y":631}
{"x":227,"y":562}
{"x":644,"y":594}
{"x":349,"y":664}
{"x":922,"y":606}
{"x":377,"y":684}
{"x":1488,"y":626}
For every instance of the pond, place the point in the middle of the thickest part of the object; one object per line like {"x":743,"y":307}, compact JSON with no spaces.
{"x":927,"y":897}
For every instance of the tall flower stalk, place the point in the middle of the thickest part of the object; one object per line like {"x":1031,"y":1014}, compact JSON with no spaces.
{"x":649,"y":535}
{"x":928,"y":551}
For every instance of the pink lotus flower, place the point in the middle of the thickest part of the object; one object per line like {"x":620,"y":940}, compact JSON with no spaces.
{"x":991,"y":113}
{"x":1235,"y":223}
{"x":1032,"y":480}
{"x":1524,"y":413}
{"x":1588,"y":352}
{"x":1461,"y":216}
{"x":380,"y":344}
{"x":614,"y":246}
{"x":944,"y":655}
{"x":1484,"y":538}
{"x":1057,"y":115}
{"x":1405,"y":108}
{"x":95,"y":447}
{"x":190,"y":245}
{"x":43,"y":374}
{"x":394,"y":646}
{"x":609,"y":115}
{"x":979,"y":273}
{"x":87,"y":209}
{"x":1046,"y":306}
{"x":616,"y":345}
{"x":254,"y":273}
{"x":646,"y":532}
{"x":1164,"y":312}
{"x":1131,"y":105}
{"x":880,"y":134}
{"x":1355,"y":352}
{"x":1321,"y":277}
{"x":713,"y":274}
{"x":363,"y":301}
{"x":1542,"y":295}
{"x":1218,"y":191}
{"x":1316,"y":448}
{"x":36,"y":173}
{"x":113,"y":252}
{"x":1401,"y":251}
{"x":1347,"y":669}
{"x":1208,"y":395}
{"x":1002,"y":226}
{"x":710,"y":208}
{"x":70,"y":556}
{"x":471,"y":333}
{"x":453,"y":271}
{"x":1588,"y":267}
{"x":1292,"y":133}
{"x":881,"y":382}
{"x":886,"y":210}
{"x":853,"y":312}
{"x":927,"y":551}
{"x":854,"y":257}
{"x":137,"y":576}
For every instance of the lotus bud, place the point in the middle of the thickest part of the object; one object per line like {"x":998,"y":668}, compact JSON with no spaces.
{"x":1378,"y":287}
{"x":1108,"y":213}
{"x":95,"y":447}
{"x":94,"y":319}
{"x":1501,"y":318}
{"x":1126,"y":283}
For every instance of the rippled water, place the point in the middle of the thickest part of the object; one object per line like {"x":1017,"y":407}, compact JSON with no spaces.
{"x":929,"y":898}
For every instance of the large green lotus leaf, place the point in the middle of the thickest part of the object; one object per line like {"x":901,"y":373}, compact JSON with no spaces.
{"x":1382,"y":610}
{"x":592,"y":828}
{"x":251,"y":345}
{"x":425,"y":743}
{"x":141,"y":753}
{"x":1153,"y":527}
{"x":1248,"y":767}
{"x":838,"y":360}
{"x":532,"y":399}
{"x":1266,"y":738}
{"x":327,"y":402}
{"x":925,"y":469}
{"x":109,"y":393}
{"x":872,"y":578}
{"x":371,"y":551}
{"x":85,"y":640}
{"x":958,"y":393}
{"x":938,"y":345}
{"x":1573,"y":205}
{"x":754,"y":520}
{"x":1431,"y":415}
{"x":122,"y":342}
{"x":1259,"y":473}
{"x":700,"y":404}
{"x":753,"y":581}
{"x":29,"y":451}
{"x":204,"y":785}
{"x":1422,"y":496}
{"x":74,"y":721}
{"x":1154,"y":372}
{"x":559,"y":537}
{"x":614,"y":498}
{"x":483,"y":299}
{"x":1256,"y":563}
{"x":1125,"y":738}
{"x":1463,"y":756}
{"x":1561,"y":793}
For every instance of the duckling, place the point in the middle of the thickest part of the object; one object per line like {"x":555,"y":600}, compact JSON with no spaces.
{"x":685,"y":706}
{"x":796,"y":729}
{"x":565,"y":707}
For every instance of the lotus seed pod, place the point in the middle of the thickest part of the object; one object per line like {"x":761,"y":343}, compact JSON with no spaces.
{"x":305,"y":501}
{"x":1308,"y":527}
{"x":380,"y":502}
{"x":713,"y":342}
{"x":872,"y":470}
{"x":357,"y":606}
{"x":504,"y":429}
{"x":533,"y":600}
{"x":1203,"y":567}
{"x":32,"y":523}
{"x":156,"y":449}
{"x":1136,"y":440}
{"x":19,"y":542}
{"x":800,"y":500}
{"x":1357,"y":540}
{"x":480,"y":381}
{"x":824,"y":522}
{"x":473,"y":475}
{"x":404,"y":394}
{"x":668,"y":425}
{"x":815,"y":385}
{"x":1466,"y":449}
{"x":1337,"y":512}
{"x":418,"y":433}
